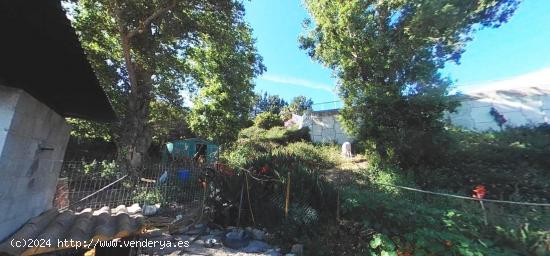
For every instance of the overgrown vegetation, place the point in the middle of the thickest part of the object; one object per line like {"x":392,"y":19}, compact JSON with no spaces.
{"x":267,"y":120}
{"x":513,"y":164}
{"x":376,"y":219}
{"x":149,"y":52}
{"x":387,"y":56}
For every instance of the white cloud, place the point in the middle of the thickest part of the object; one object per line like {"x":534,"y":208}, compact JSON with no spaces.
{"x":298,"y":82}
{"x":533,"y":79}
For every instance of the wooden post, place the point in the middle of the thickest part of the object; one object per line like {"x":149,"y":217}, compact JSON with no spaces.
{"x":287,"y":199}
{"x":484,"y":213}
{"x":240,"y":206}
{"x":338,"y":205}
{"x":248,"y":196}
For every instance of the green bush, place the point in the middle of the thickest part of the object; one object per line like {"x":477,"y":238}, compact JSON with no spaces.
{"x":278,"y":134}
{"x":149,"y":196}
{"x":303,"y":161}
{"x":267,"y":120}
{"x":105,"y":169}
{"x":512,"y":164}
{"x":383,"y":220}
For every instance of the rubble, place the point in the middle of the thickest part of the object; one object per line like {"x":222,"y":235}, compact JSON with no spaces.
{"x":209,"y":240}
{"x":297,"y":249}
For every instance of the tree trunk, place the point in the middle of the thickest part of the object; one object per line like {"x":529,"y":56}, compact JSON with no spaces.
{"x":136,"y":136}
{"x":135,"y":139}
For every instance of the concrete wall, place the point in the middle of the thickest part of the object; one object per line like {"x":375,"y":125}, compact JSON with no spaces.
{"x":520,"y":106}
{"x":324,"y":127}
{"x":33,"y":139}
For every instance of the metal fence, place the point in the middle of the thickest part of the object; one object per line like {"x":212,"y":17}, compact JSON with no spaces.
{"x":97,"y":184}
{"x":329,"y":105}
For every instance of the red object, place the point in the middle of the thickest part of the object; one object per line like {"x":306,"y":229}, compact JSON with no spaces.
{"x":264,"y":169}
{"x":404,"y":253}
{"x":202,"y":182}
{"x":224,"y":169}
{"x":479,"y":192}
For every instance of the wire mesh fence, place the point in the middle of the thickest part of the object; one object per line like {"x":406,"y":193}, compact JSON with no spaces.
{"x":97,"y":184}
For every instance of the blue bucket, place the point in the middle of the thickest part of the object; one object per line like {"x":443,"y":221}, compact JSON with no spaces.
{"x":184,"y":175}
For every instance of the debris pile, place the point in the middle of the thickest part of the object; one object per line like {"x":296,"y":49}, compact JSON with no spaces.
{"x":202,"y":239}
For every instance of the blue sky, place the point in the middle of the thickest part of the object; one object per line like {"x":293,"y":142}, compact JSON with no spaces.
{"x":519,"y":48}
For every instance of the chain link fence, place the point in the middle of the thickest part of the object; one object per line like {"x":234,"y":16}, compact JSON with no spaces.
{"x":96,"y":184}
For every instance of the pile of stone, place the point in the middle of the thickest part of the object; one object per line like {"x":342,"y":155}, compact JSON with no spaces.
{"x":204,"y":240}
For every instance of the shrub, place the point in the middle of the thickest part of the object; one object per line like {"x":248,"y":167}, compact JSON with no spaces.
{"x":267,"y":120}
{"x":149,"y":196}
{"x":511,"y":163}
{"x":105,"y":169}
{"x":278,"y":134}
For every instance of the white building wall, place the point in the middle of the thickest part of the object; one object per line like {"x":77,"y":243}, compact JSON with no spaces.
{"x":519,"y":105}
{"x":524,"y":106}
{"x":33,"y":139}
{"x":324,"y":127}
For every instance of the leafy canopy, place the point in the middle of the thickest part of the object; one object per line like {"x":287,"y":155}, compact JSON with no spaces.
{"x":300,"y":104}
{"x":269,"y":103}
{"x":386,"y":55}
{"x":149,"y":54}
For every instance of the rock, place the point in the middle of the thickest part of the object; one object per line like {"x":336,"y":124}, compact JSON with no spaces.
{"x":290,"y":254}
{"x":297,"y":249}
{"x":149,"y":210}
{"x":258,"y":234}
{"x":153,"y":233}
{"x":273,"y":252}
{"x":236,"y":239}
{"x":182,"y":238}
{"x":216,"y":232}
{"x":198,"y":229}
{"x":256,"y":246}
{"x":210,"y":242}
{"x":178,"y":218}
{"x":162,"y":237}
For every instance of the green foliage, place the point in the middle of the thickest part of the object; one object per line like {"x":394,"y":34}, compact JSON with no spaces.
{"x":386,"y":55}
{"x":84,"y":129}
{"x":423,"y":227}
{"x":269,"y":103}
{"x":147,"y":51}
{"x":149,"y":196}
{"x":276,"y":152}
{"x":383,"y":245}
{"x":300,"y":104}
{"x":278,"y":134}
{"x":377,"y":219}
{"x":268,"y":120}
{"x":168,"y":122}
{"x":226,"y":68}
{"x":512,"y":164}
{"x":105,"y":169}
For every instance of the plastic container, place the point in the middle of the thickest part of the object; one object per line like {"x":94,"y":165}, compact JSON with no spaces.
{"x":184,"y":175}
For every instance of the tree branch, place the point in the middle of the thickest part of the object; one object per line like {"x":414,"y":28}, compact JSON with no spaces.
{"x":150,"y":19}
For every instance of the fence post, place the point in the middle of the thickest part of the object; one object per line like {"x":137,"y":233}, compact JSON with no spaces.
{"x":287,"y":199}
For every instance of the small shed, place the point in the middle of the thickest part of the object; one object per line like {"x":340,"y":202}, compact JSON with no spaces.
{"x":192,"y":148}
{"x":44,"y":77}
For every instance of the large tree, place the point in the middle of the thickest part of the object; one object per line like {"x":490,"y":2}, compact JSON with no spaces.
{"x":300,"y":104}
{"x":145,"y":51}
{"x":222,"y":107}
{"x":269,"y":103}
{"x":387,"y":55}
